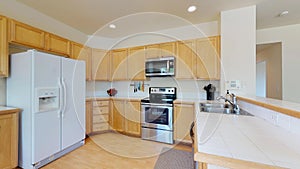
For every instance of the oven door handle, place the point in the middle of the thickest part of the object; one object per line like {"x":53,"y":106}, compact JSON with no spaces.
{"x":158,"y":105}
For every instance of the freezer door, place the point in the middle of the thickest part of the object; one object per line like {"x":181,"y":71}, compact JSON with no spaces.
{"x":73,"y":115}
{"x":46,"y":124}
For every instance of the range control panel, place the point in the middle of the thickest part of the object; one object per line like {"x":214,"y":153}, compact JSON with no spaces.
{"x":162,"y":90}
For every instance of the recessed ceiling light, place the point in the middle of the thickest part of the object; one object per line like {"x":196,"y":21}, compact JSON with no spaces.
{"x":112,"y":26}
{"x":192,"y":8}
{"x":283,"y":13}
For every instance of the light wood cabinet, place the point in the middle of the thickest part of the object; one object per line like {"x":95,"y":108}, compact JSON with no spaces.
{"x":101,"y":115}
{"x":88,"y":117}
{"x":186,"y":60}
{"x":84,"y":53}
{"x":161,"y":50}
{"x":136,"y":63}
{"x":57,"y":44}
{"x":9,"y":140}
{"x":3,"y":47}
{"x":100,"y":65}
{"x":132,"y":118}
{"x":183,"y":118}
{"x":119,"y":64}
{"x":208,"y":58}
{"x":23,"y":34}
{"x":118,"y":114}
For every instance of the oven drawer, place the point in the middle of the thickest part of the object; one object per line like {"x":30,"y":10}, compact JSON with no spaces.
{"x":163,"y":136}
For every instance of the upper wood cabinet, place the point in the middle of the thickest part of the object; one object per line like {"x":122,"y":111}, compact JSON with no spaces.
{"x":183,"y":118}
{"x":186,"y":60}
{"x":132,"y":118}
{"x":136,"y":63}
{"x":161,"y":50}
{"x":57,"y":44}
{"x":100,"y":65}
{"x":81,"y":52}
{"x":119,"y":64}
{"x":3,"y":47}
{"x":208,"y":58}
{"x":23,"y":34}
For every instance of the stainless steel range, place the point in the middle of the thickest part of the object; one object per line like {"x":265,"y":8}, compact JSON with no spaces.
{"x":157,"y":115}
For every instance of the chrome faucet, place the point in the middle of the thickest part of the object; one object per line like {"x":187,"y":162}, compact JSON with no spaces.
{"x":233,"y":102}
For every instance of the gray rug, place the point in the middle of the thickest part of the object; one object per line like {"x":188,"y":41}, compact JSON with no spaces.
{"x":174,"y":159}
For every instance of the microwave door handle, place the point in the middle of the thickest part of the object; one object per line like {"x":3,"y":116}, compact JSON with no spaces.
{"x":168,"y":66}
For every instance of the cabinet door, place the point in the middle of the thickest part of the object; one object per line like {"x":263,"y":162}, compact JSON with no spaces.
{"x":118,"y":114}
{"x":136,"y":63}
{"x":100,"y":64}
{"x":57,"y":44}
{"x":9,"y":140}
{"x":208,"y":60}
{"x":119,"y":64}
{"x":186,"y":60}
{"x":184,"y":116}
{"x":132,"y":118}
{"x":168,"y":49}
{"x":3,"y":47}
{"x":88,"y":117}
{"x":26,"y":35}
{"x":153,"y":51}
{"x":80,"y":52}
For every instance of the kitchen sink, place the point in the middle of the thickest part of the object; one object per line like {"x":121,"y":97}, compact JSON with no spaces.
{"x":219,"y":108}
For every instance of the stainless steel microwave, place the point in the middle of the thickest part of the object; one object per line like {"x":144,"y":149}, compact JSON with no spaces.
{"x":164,"y":66}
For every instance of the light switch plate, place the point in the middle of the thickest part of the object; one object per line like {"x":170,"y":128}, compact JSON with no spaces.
{"x":233,"y":84}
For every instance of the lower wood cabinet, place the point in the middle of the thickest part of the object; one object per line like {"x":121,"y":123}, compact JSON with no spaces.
{"x":9,"y":140}
{"x":183,"y":118}
{"x":100,"y":117}
{"x":118,"y":112}
{"x":88,"y":117}
{"x":132,"y":118}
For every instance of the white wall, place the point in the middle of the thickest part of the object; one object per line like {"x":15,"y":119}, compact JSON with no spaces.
{"x":238,"y":48}
{"x":289,"y":36}
{"x":28,"y":15}
{"x":167,"y":35}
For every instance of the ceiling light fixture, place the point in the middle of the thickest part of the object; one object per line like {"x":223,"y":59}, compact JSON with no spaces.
{"x":283,"y":13}
{"x":192,"y":8}
{"x":112,"y":26}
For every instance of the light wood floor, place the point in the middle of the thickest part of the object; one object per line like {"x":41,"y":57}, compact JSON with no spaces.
{"x":113,"y":151}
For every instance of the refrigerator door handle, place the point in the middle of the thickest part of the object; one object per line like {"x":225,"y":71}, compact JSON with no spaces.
{"x":64,"y":98}
{"x":60,"y":98}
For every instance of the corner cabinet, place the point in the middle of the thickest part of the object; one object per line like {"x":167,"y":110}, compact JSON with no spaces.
{"x":183,"y":118}
{"x":3,"y":47}
{"x":100,"y":65}
{"x":118,"y":114}
{"x":81,"y":52}
{"x":9,"y":139}
{"x":119,"y":65}
{"x":136,"y":63}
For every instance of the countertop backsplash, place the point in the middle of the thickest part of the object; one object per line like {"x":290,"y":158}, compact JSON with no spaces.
{"x":185,"y":88}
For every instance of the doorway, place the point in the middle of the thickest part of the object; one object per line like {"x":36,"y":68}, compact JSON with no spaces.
{"x":269,"y":70}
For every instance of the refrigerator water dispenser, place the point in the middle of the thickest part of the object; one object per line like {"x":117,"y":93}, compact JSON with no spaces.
{"x":48,"y":99}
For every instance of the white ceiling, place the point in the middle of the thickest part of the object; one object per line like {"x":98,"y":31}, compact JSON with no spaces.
{"x":135,"y":16}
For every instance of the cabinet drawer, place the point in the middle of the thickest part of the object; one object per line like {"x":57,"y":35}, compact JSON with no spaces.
{"x":100,"y":127}
{"x":100,"y":103}
{"x":100,"y":118}
{"x":100,"y":110}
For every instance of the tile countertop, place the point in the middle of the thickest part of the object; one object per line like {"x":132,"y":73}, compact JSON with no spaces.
{"x":8,"y":110}
{"x":235,"y":141}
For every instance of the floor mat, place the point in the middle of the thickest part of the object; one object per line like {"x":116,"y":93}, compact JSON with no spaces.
{"x":174,"y":159}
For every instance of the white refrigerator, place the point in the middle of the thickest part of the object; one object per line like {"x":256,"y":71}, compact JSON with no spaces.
{"x":50,"y":90}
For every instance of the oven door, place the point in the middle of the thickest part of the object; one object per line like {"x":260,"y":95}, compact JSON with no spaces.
{"x":157,"y":116}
